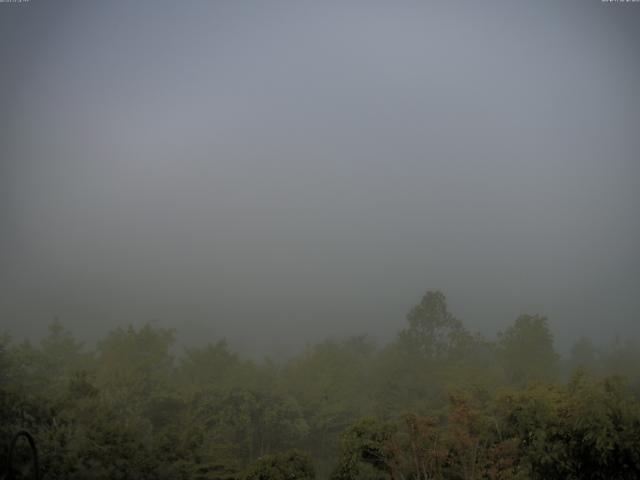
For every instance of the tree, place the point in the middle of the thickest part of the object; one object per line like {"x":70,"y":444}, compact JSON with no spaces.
{"x":421,"y":450}
{"x":330,"y":383}
{"x":527,"y":352}
{"x":210,"y":364}
{"x":367,"y":442}
{"x":133,"y":365}
{"x":249,"y":424}
{"x":215,"y":366}
{"x":587,"y":430}
{"x":433,"y":330}
{"x":283,"y":466}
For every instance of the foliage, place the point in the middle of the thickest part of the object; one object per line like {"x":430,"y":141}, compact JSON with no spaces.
{"x":283,"y":466}
{"x":438,"y":402}
{"x":527,"y":351}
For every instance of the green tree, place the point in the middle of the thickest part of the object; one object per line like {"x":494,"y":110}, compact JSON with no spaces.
{"x":527,"y":352}
{"x":587,"y":430}
{"x":134,"y":365}
{"x":330,"y":382}
{"x":282,"y":466}
{"x":367,"y":443}
{"x":433,"y":330}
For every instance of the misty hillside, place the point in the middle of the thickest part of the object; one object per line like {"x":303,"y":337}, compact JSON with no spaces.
{"x":436,"y":402}
{"x":226,"y":227}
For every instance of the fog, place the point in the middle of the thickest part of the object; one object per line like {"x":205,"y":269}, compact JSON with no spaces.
{"x":280,"y":172}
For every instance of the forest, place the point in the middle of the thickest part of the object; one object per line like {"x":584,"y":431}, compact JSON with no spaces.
{"x":436,"y":402}
{"x":319,"y":240}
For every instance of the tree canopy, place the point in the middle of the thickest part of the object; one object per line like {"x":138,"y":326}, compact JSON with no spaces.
{"x":437,"y":402}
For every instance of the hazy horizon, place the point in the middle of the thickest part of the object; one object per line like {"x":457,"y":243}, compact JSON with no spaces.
{"x":276,"y":173}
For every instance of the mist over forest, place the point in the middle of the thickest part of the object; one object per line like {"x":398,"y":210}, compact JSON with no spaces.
{"x":437,"y":402}
{"x":227,"y":230}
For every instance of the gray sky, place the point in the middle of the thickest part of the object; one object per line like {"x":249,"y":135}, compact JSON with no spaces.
{"x":278,"y":172}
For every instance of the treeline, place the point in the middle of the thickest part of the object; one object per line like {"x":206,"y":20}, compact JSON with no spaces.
{"x":439,"y":402}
